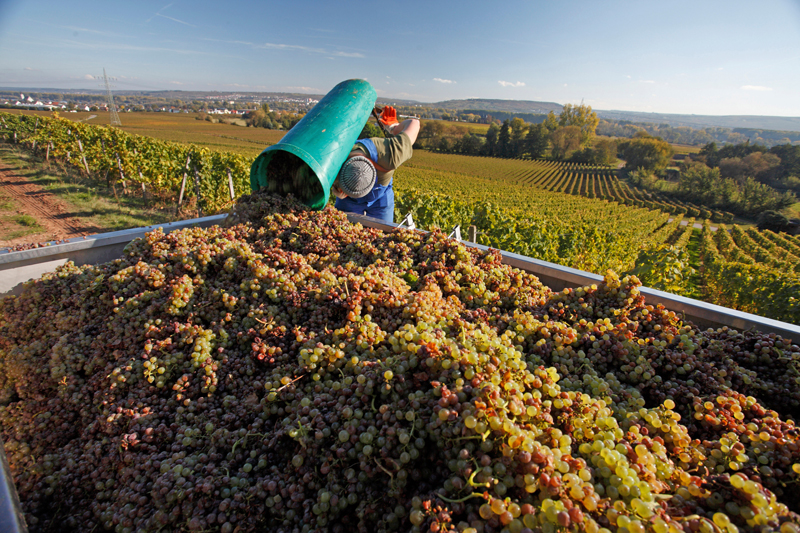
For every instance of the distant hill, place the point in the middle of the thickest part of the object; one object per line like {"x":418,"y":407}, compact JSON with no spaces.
{"x":702,"y":121}
{"x":674,"y":120}
{"x":514,"y":107}
{"x":510,"y":106}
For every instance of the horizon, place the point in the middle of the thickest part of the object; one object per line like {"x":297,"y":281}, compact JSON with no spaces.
{"x":687,"y":58}
{"x":90,"y":91}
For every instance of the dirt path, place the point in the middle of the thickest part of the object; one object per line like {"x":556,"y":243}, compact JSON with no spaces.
{"x":52,"y":213}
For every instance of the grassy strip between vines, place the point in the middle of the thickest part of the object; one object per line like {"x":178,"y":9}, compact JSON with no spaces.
{"x":295,"y":372}
{"x":89,"y":198}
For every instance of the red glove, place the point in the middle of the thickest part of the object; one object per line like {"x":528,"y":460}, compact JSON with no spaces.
{"x":388,"y":117}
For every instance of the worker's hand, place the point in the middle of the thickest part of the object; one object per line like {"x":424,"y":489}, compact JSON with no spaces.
{"x":338,"y":192}
{"x":388,"y":117}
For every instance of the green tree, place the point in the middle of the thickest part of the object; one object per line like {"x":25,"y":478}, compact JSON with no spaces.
{"x":564,"y":140}
{"x":700,"y":182}
{"x":773,"y":221}
{"x":370,"y":130}
{"x":470,"y":144}
{"x":581,"y":116}
{"x":604,"y":152}
{"x":492,"y":135}
{"x":518,"y":128}
{"x":430,"y":132}
{"x":709,"y":149}
{"x":762,"y":165}
{"x":642,"y":177}
{"x":551,"y":122}
{"x":504,"y":140}
{"x":650,"y":153}
{"x":732,"y":167}
{"x":536,"y":141}
{"x":258,"y":119}
{"x":790,"y":160}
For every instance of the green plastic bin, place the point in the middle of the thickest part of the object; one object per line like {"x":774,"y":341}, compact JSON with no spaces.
{"x":324,"y":137}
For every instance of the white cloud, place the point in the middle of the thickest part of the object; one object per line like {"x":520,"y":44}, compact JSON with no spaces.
{"x":440,"y":80}
{"x":755,"y":88}
{"x":348,"y":54}
{"x":646,"y":81}
{"x":511,"y":84}
{"x":175,"y":82}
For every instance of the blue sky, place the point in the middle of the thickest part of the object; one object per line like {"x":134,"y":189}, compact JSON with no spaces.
{"x":717,"y":57}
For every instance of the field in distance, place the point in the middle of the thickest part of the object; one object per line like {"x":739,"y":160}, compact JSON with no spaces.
{"x":184,"y":128}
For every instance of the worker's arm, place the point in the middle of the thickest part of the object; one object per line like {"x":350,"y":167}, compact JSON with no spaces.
{"x":339,"y":193}
{"x":409,"y":126}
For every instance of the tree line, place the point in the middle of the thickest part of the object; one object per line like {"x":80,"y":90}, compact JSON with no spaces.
{"x":568,"y":135}
{"x":698,"y":136}
{"x":264,"y":117}
{"x":745,"y":179}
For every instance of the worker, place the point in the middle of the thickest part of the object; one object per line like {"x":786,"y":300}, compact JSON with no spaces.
{"x":364,"y":183}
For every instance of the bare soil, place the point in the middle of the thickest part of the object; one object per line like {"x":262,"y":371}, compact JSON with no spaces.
{"x":56,"y":216}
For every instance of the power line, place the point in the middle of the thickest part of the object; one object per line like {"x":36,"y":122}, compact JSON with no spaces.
{"x":111,"y":107}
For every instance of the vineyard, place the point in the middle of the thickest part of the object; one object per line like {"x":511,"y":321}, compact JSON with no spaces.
{"x":565,"y":177}
{"x":210,"y":179}
{"x":571,"y":214}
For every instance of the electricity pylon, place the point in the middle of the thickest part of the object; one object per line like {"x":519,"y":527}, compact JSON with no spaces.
{"x":111,"y":107}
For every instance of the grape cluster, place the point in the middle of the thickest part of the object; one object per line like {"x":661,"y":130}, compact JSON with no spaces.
{"x":291,"y":371}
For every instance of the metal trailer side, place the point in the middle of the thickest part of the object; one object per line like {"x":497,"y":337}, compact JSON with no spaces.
{"x":19,"y":267}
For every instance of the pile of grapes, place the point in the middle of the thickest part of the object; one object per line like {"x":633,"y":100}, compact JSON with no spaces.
{"x":288,"y":174}
{"x":295,"y":372}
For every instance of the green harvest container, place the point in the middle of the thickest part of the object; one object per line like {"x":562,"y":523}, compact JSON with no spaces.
{"x":324,"y":137}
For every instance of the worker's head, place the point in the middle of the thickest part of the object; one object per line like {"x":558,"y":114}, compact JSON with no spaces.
{"x":357,"y":176}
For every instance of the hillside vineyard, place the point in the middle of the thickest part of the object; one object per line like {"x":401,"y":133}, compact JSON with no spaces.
{"x":296,"y":372}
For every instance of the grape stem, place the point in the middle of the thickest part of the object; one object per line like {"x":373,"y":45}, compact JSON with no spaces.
{"x":235,"y":444}
{"x":384,"y":469}
{"x":465,"y":498}
{"x":271,"y":320}
{"x":472,"y":483}
{"x":470,"y":437}
{"x":292,"y":381}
